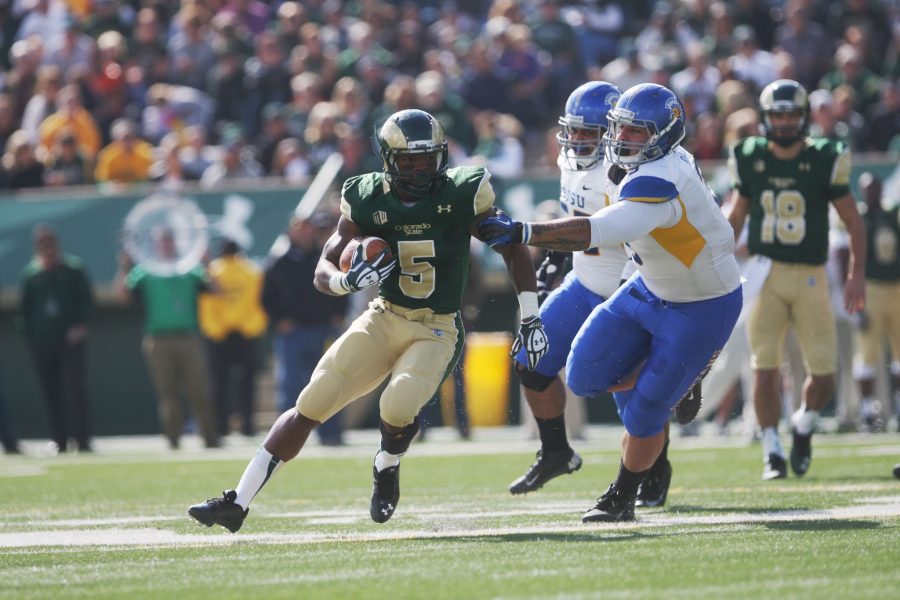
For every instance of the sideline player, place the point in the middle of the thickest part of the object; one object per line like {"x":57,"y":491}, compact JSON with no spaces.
{"x":675,"y":314}
{"x":784,"y":182}
{"x":595,"y":275}
{"x":881,"y":318}
{"x":412,"y":331}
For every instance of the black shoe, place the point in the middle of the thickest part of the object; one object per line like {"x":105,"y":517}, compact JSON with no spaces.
{"x":897,"y":471}
{"x":655,"y":486}
{"x":687,"y":408}
{"x":385,"y":493}
{"x":220,"y":511}
{"x":546,"y":467}
{"x":612,"y":506}
{"x":801,"y":453}
{"x":775,"y":467}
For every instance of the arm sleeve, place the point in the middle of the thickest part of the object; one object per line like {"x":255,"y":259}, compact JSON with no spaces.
{"x":626,"y":221}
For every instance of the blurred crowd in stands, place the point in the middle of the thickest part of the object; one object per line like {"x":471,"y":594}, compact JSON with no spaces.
{"x":210,"y":90}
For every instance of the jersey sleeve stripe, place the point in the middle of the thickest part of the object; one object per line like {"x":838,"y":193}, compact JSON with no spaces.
{"x":840,"y":172}
{"x":648,"y":189}
{"x":484,"y":196}
{"x":345,"y":208}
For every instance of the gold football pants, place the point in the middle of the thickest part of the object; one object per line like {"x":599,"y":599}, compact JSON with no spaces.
{"x":798,"y":295}
{"x":414,"y":346}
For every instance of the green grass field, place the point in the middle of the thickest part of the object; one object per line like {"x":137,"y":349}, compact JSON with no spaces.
{"x":114,"y":525}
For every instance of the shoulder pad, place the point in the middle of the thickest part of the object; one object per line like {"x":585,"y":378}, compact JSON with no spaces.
{"x":648,"y":188}
{"x":460,"y":176}
{"x":750,"y":146}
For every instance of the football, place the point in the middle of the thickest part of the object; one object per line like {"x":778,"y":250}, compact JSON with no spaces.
{"x":371,"y":247}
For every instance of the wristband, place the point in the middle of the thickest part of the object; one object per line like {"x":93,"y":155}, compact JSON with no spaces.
{"x":336,"y":284}
{"x":526,"y":234}
{"x":528,"y":304}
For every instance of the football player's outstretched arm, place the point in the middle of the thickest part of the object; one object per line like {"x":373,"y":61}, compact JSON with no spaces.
{"x":855,"y":287}
{"x":331,"y":254}
{"x":611,"y":226}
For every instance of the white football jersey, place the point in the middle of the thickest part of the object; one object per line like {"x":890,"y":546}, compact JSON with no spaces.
{"x":691,"y":256}
{"x":581,"y":194}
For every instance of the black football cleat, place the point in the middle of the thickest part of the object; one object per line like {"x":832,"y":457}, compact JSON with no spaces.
{"x":775,"y":467}
{"x":897,"y":471}
{"x":687,"y":408}
{"x":220,"y":511}
{"x":655,"y":486}
{"x":546,"y":467}
{"x":385,"y":493}
{"x":613,"y":506}
{"x":801,"y":453}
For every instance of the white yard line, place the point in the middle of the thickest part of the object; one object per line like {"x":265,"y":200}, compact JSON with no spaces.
{"x":879,"y":508}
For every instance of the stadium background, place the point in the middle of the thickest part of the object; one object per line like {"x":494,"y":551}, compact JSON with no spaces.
{"x":537,"y":52}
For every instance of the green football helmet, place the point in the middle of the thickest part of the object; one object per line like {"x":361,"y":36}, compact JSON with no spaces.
{"x":784,"y":96}
{"x":410,"y":133}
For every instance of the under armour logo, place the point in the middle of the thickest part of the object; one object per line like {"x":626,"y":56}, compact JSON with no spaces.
{"x":443,"y":209}
{"x":387,"y":509}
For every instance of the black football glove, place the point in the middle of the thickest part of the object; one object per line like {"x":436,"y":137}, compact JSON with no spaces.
{"x":364,"y":273}
{"x":548,"y":272}
{"x":533,"y":338}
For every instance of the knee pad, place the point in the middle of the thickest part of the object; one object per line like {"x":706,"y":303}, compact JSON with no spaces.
{"x":404,"y":397}
{"x":322,"y":397}
{"x":534,"y":380}
{"x":398,"y":443}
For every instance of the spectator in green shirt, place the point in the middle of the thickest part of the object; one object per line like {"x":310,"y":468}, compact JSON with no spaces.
{"x":172,"y":344}
{"x":55,"y":305}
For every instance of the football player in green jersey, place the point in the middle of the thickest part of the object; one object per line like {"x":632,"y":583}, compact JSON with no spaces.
{"x":785,"y":182}
{"x":412,"y":332}
{"x":881,"y":319}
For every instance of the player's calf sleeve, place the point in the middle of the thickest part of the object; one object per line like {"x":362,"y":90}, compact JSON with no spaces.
{"x":398,"y":443}
{"x":553,"y":433}
{"x":628,"y":481}
{"x":255,"y":476}
{"x":664,"y":455}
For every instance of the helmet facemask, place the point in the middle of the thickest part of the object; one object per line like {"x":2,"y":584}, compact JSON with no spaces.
{"x":627,"y":154}
{"x":417,"y":178}
{"x":580,"y":143}
{"x":785,"y":135}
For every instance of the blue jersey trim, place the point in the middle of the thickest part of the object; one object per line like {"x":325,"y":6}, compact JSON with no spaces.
{"x":648,"y":189}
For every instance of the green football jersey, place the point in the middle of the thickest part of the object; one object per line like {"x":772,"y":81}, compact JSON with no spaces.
{"x":883,"y":245}
{"x":429,"y":238}
{"x":788,"y":213}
